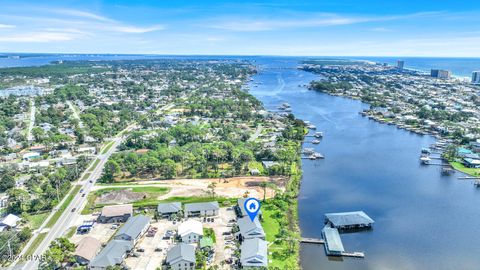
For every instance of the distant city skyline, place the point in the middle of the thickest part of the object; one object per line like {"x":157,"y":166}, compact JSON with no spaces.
{"x":291,"y":28}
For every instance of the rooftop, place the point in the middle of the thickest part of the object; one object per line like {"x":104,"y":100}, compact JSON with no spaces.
{"x":181,"y":252}
{"x":332,"y":239}
{"x":205,"y":206}
{"x":87,"y":248}
{"x":134,"y":226}
{"x":348,"y":218}
{"x":117,"y":210}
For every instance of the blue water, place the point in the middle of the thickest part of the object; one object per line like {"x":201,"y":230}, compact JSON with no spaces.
{"x":423,"y":220}
{"x":462,"y":67}
{"x":459,"y":66}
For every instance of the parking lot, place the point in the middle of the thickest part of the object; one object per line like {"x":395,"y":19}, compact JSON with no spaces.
{"x":150,"y":251}
{"x":101,"y":231}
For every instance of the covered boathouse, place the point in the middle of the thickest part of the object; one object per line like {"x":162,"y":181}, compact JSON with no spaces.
{"x":348,"y":220}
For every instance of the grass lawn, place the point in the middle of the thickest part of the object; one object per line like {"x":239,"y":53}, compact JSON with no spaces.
{"x":107,"y":147}
{"x":62,"y":207}
{"x":470,"y":171}
{"x":95,"y":163}
{"x":70,"y":232}
{"x":35,"y":221}
{"x":278,"y":252}
{"x":35,"y":244}
{"x":85,"y":176}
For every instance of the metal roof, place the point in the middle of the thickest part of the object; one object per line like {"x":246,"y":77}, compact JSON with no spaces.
{"x":333,"y":240}
{"x":348,"y":218}
{"x":112,"y":254}
{"x":134,"y":226}
{"x":190,"y":226}
{"x":249,"y":228}
{"x":167,"y":208}
{"x":254,"y":253}
{"x":241,"y":205}
{"x":205,"y":206}
{"x":180,"y":252}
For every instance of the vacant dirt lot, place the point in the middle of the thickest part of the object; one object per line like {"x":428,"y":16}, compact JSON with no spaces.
{"x":229,"y":187}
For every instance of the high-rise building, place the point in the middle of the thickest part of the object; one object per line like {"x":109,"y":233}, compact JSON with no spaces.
{"x":476,"y":77}
{"x":400,"y":64}
{"x":440,"y":74}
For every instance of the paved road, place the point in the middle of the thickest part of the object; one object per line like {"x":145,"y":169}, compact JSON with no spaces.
{"x":32,"y":120}
{"x":72,"y":212}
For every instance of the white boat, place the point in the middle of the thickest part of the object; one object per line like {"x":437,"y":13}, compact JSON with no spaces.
{"x":424,"y":159}
{"x":315,"y":141}
{"x":318,"y":134}
{"x":311,"y":126}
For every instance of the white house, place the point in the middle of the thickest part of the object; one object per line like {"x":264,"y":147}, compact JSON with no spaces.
{"x":190,"y":231}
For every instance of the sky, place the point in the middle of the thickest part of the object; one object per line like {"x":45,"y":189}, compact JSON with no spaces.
{"x":304,"y":28}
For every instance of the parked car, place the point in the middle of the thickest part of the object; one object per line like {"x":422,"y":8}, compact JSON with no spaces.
{"x":74,"y":209}
{"x":140,"y":250}
{"x":83,"y":195}
{"x":158,"y":249}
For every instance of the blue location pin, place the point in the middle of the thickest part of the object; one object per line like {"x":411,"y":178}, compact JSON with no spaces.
{"x":252,"y":206}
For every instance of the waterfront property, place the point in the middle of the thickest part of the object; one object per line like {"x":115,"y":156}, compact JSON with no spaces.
{"x":348,"y":220}
{"x":240,"y":209}
{"x":249,"y":229}
{"x":254,"y":253}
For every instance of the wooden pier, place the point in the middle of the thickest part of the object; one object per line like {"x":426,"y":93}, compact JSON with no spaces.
{"x":469,"y":178}
{"x":312,"y":241}
{"x":319,"y":241}
{"x":353,"y":254}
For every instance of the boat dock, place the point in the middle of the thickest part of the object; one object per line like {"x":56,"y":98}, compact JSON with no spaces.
{"x":312,"y":240}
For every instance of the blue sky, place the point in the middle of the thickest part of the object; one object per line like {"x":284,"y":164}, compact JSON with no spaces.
{"x":335,"y":28}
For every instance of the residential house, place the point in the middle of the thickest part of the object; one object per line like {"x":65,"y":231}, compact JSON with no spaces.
{"x":168,"y":209}
{"x":86,"y":250}
{"x":8,"y":222}
{"x":240,"y":208}
{"x":201,"y":209}
{"x":249,"y":229}
{"x":191,"y":231}
{"x":133,"y":229}
{"x":253,"y":253}
{"x":181,"y":257}
{"x":115,"y":213}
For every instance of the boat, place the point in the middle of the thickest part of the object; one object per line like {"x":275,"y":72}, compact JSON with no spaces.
{"x":425,"y":160}
{"x":318,"y":134}
{"x":310,"y":126}
{"x":308,"y":151}
{"x":425,"y":151}
{"x":315,"y":141}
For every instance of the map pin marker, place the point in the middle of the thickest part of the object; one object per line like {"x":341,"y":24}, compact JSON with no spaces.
{"x":252,"y":206}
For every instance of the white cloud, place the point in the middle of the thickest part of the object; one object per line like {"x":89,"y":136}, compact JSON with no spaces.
{"x":134,"y":29}
{"x":302,"y":20}
{"x":39,"y":37}
{"x":5,"y":26}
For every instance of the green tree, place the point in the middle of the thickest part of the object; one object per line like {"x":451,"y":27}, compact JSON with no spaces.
{"x":7,"y":181}
{"x":60,"y":252}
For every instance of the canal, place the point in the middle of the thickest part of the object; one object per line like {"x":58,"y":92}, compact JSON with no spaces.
{"x":423,"y":220}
